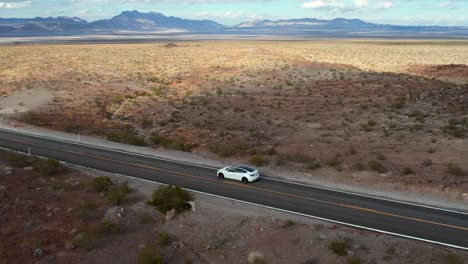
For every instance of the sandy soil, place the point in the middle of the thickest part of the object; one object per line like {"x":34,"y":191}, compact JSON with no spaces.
{"x":457,"y":73}
{"x":24,"y":101}
{"x":348,"y":113}
{"x":217,"y":231}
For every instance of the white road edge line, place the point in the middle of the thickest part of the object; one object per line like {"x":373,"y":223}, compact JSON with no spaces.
{"x":368,"y":196}
{"x":300,"y":214}
{"x":274,"y":208}
{"x":208,"y":167}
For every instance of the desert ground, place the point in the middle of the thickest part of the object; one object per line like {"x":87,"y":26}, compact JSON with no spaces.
{"x":56,"y":214}
{"x":384,"y":114}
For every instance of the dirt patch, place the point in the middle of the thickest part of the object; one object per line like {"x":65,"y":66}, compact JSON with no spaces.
{"x":457,"y":73}
{"x":47,"y":212}
{"x":337,"y":111}
{"x":24,"y":101}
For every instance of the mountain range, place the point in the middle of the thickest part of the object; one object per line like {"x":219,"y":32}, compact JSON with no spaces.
{"x":135,"y":21}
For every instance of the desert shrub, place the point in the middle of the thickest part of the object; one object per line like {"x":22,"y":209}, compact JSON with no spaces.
{"x":48,"y":166}
{"x":299,"y":157}
{"x":453,"y":259}
{"x":71,"y":126}
{"x":457,"y":128}
{"x":280,"y":161}
{"x":335,"y":163}
{"x":287,"y":224}
{"x":427,"y":163}
{"x":377,"y":166}
{"x":455,"y":170}
{"x":127,"y":136}
{"x":102,"y":184}
{"x":360,"y":166}
{"x":256,"y":257}
{"x":170,"y":45}
{"x":56,"y":185}
{"x":371,"y":123}
{"x":113,"y":136}
{"x":164,"y":238}
{"x":144,"y":218}
{"x":381,"y":156}
{"x":107,"y":228}
{"x":145,"y":123}
{"x":86,"y":241}
{"x":117,"y":100}
{"x":312,"y":261}
{"x":87,"y":210}
{"x":149,"y":255}
{"x":390,"y":252}
{"x":176,"y":144}
{"x":339,"y":247}
{"x":34,"y":118}
{"x":270,"y":151}
{"x":313,"y":164}
{"x":399,"y":103}
{"x":90,"y":237}
{"x":18,"y":160}
{"x":366,"y":127}
{"x":170,"y":197}
{"x":408,"y":171}
{"x":354,"y":260}
{"x":231,"y":149}
{"x":119,"y":195}
{"x":159,"y":140}
{"x":258,"y":160}
{"x":135,"y":140}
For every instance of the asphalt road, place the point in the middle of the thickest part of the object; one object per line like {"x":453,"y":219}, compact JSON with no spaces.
{"x":408,"y":220}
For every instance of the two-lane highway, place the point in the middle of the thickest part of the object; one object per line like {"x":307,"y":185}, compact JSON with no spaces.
{"x":403,"y":219}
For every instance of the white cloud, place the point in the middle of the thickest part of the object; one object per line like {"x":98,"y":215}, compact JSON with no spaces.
{"x":361,"y":3}
{"x":14,"y":4}
{"x":324,"y":4}
{"x":384,"y":5}
{"x":348,"y":6}
{"x":229,"y":14}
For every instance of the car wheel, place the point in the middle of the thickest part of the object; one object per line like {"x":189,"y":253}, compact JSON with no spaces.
{"x":221,"y":176}
{"x":244,"y":180}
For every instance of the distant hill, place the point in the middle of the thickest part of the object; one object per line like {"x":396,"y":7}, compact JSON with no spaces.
{"x":134,"y":20}
{"x":153,"y":21}
{"x":46,"y":20}
{"x":41,"y":24}
{"x":307,"y":23}
{"x":339,"y":26}
{"x":127,"y":20}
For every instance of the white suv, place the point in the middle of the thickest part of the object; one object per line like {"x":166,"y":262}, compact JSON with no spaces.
{"x":241,"y":173}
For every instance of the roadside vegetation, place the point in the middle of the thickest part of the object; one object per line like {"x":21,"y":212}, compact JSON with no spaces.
{"x":296,"y":111}
{"x":169,"y":197}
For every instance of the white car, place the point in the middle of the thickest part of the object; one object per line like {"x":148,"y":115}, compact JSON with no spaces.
{"x":241,"y":173}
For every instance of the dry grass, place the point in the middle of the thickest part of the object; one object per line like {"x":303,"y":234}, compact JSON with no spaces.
{"x":301,"y":99}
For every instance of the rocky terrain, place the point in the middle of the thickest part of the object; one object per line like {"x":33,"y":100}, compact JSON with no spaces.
{"x":390,"y":115}
{"x":55,"y":214}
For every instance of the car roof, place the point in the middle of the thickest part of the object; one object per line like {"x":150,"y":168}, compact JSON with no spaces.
{"x":247,"y":168}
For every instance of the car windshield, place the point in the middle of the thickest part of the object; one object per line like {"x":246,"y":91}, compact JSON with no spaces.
{"x":247,"y":168}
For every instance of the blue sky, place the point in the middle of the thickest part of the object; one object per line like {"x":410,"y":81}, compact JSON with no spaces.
{"x":229,"y":12}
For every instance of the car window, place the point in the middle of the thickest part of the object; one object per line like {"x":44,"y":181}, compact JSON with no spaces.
{"x":232,"y":169}
{"x":247,"y":168}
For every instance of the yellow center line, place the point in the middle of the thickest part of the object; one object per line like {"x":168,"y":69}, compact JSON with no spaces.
{"x":246,"y":186}
{"x":352,"y":207}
